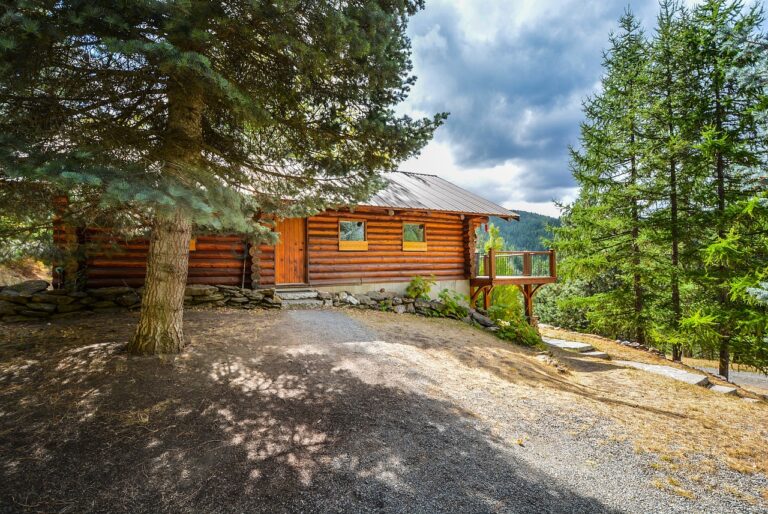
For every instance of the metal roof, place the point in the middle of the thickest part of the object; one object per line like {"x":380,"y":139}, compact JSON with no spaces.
{"x":406,"y":190}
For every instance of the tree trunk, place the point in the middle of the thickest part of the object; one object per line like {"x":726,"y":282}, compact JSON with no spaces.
{"x":162,"y":308}
{"x":677,"y":349}
{"x":637,"y":285}
{"x":162,"y":305}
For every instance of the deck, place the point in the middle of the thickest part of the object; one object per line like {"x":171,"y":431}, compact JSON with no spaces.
{"x":528,"y":270}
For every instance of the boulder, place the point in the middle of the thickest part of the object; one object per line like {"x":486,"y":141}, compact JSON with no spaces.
{"x":215,"y":297}
{"x":380,"y":296}
{"x":253,"y":296}
{"x":364,"y":300}
{"x":351,"y":300}
{"x":324,"y":295}
{"x":238,"y":300}
{"x":484,"y":321}
{"x":266,"y":293}
{"x":77,"y":294}
{"x":51,"y":298}
{"x":399,"y":309}
{"x":44,"y":307}
{"x":200,"y":290}
{"x":9,"y":295}
{"x":327,"y":303}
{"x":111,"y":291}
{"x":7,"y":308}
{"x":72,"y":307}
{"x":409,"y":308}
{"x":342,"y":296}
{"x":28,"y":286}
{"x":35,"y":314}
{"x":233,"y":289}
{"x":128,"y":300}
{"x":397,"y":300}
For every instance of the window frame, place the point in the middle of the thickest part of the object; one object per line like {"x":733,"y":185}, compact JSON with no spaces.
{"x":415,"y":246}
{"x":353,"y":246}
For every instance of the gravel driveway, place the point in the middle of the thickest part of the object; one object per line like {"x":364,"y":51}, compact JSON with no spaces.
{"x":311,"y":411}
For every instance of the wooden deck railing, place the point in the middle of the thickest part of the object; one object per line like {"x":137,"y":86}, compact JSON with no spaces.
{"x":501,"y":264}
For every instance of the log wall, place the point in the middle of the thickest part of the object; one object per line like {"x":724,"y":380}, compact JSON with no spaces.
{"x":217,"y":259}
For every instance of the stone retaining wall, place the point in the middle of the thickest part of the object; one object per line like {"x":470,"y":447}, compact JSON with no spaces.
{"x":32,"y":300}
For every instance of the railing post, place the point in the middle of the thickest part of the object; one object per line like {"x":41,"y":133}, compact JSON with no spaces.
{"x":492,"y":263}
{"x":552,"y":264}
{"x":527,"y":264}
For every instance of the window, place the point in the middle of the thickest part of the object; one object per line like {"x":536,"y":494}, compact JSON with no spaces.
{"x":352,"y":235}
{"x":414,"y":237}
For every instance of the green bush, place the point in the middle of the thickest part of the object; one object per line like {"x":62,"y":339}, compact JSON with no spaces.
{"x":419,"y":287}
{"x":455,"y":305}
{"x":507,"y":311}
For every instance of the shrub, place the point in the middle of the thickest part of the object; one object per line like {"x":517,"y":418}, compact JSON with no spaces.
{"x":507,"y":312}
{"x":419,"y":287}
{"x":455,"y":305}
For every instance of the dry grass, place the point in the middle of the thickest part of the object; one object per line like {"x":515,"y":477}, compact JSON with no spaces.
{"x":25,"y":269}
{"x":671,"y":419}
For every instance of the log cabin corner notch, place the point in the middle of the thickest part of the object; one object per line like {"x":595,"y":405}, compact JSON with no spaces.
{"x":417,"y":225}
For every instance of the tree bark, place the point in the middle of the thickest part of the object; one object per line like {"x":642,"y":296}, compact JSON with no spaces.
{"x":162,"y":306}
{"x":160,"y":328}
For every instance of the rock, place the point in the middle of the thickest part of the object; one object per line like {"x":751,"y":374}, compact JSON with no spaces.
{"x":327,"y":303}
{"x":111,"y":291}
{"x":408,"y":299}
{"x":200,"y":290}
{"x":28,"y":286}
{"x":209,"y":298}
{"x":103,"y":304}
{"x":380,"y":296}
{"x":724,"y":389}
{"x":410,"y":308}
{"x":399,"y":309}
{"x":77,"y":294}
{"x":233,"y":289}
{"x":254,"y":297}
{"x":324,"y":295}
{"x":351,"y":300}
{"x":51,"y":298}
{"x":15,"y":319}
{"x":484,"y":321}
{"x":14,"y":296}
{"x":7,"y":308}
{"x":127,"y":300}
{"x":107,"y":309}
{"x":266,"y":293}
{"x":72,"y":307}
{"x":238,"y":300}
{"x":397,"y":300}
{"x":44,"y":307}
{"x":364,"y":300}
{"x":35,"y":314}
{"x":87,"y":300}
{"x":272,"y":303}
{"x":342,"y":296}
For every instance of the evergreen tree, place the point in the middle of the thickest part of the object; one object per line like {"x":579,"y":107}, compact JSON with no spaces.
{"x":603,"y":230}
{"x":731,"y":144}
{"x":203,"y":113}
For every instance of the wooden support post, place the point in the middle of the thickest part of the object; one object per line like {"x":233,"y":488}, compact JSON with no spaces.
{"x":552,"y":264}
{"x":487,"y":297}
{"x":527,"y":264}
{"x":492,"y":263}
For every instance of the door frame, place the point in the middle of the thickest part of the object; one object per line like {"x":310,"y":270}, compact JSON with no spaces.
{"x":305,"y":274}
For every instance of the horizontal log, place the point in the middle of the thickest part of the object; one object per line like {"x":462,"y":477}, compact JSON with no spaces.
{"x":380,"y":274}
{"x":360,"y":281}
{"x":193,"y":263}
{"x":364,"y":268}
{"x":362,"y":260}
{"x":395,"y":254}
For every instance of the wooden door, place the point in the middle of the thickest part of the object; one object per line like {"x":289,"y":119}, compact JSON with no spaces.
{"x":290,"y":252}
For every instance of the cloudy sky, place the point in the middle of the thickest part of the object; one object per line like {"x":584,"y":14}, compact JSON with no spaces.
{"x":512,"y":74}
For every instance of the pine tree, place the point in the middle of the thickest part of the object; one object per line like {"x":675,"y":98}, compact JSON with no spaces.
{"x":603,"y":231}
{"x":203,"y":114}
{"x":731,"y":143}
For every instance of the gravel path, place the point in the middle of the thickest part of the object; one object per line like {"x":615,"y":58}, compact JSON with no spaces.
{"x":310,"y":411}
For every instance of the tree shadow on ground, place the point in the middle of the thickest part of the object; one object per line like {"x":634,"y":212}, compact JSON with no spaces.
{"x":237,"y":424}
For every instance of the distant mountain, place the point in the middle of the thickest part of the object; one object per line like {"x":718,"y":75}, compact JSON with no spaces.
{"x":526,"y":234}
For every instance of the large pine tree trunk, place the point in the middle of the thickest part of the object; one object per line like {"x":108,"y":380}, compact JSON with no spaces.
{"x":677,"y":349}
{"x":162,"y":306}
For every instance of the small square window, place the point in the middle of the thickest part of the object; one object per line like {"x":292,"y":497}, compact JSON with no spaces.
{"x":414,"y":237}
{"x":352,"y":236}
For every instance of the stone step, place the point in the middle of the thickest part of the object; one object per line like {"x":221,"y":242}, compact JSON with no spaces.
{"x":571,"y":346}
{"x":303,"y":303}
{"x":596,"y":354}
{"x":296,"y":294}
{"x":669,"y":371}
{"x":723,"y":389}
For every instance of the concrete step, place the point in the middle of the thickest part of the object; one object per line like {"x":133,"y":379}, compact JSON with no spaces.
{"x":302,"y":303}
{"x":596,"y":354}
{"x":296,"y":294}
{"x":669,"y":371}
{"x":571,"y":346}
{"x":723,"y":389}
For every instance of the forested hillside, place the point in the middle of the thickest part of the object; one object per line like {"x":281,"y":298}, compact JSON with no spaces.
{"x":528,"y":233}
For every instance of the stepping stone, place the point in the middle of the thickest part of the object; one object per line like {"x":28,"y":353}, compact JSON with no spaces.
{"x":669,"y":371}
{"x":571,"y":346}
{"x":751,"y":400}
{"x":596,"y":355}
{"x":723,"y":389}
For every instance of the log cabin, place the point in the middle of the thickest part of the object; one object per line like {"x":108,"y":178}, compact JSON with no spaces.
{"x":418,"y":225}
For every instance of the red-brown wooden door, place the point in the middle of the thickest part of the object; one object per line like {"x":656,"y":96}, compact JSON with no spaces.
{"x":290,"y":252}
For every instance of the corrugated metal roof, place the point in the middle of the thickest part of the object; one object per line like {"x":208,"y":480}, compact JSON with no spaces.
{"x":429,"y":192}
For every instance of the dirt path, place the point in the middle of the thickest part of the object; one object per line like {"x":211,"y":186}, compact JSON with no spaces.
{"x":315,"y":411}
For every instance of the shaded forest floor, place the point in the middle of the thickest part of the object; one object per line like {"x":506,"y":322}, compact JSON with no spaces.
{"x":356,"y":411}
